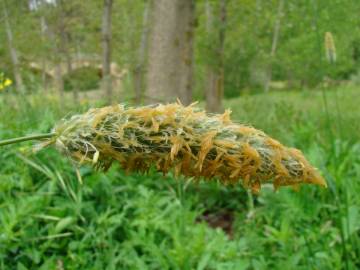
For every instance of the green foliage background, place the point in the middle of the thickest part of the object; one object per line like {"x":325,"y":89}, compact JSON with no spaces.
{"x":120,"y":221}
{"x":300,"y":56}
{"x":49,"y":220}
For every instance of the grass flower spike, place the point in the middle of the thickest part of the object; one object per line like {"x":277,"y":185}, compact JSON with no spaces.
{"x":330,"y":48}
{"x":185,"y":139}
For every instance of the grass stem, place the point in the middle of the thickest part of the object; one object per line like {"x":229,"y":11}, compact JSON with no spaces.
{"x":27,"y":138}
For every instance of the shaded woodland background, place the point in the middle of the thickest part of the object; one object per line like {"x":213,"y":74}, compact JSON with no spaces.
{"x":153,"y":51}
{"x":288,"y":67}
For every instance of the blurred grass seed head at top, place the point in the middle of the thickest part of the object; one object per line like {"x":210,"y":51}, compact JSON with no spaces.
{"x":330,"y":48}
{"x":184,"y":139}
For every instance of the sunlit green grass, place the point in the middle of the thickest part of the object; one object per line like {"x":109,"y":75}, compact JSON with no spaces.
{"x":49,"y":219}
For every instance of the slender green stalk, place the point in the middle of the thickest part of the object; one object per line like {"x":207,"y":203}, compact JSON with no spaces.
{"x":341,"y":227}
{"x":321,"y":70}
{"x":27,"y":138}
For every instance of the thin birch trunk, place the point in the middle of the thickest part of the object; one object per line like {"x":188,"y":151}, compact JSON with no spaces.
{"x":59,"y":82}
{"x":13,"y":52}
{"x":106,"y":41}
{"x":139,"y":69}
{"x":214,"y":92}
{"x":43,"y":28}
{"x":274,"y":44}
{"x":69,"y":68}
{"x":44,"y":78}
{"x":186,"y":24}
{"x":65,"y":47}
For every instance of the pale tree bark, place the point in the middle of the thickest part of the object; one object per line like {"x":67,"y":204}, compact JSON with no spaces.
{"x":43,"y":28}
{"x":170,"y":57}
{"x":58,"y":70}
{"x":106,"y":42}
{"x":59,"y":81}
{"x":258,"y":19}
{"x":13,"y":52}
{"x":214,"y":91}
{"x":68,"y":59}
{"x":186,"y":24}
{"x":65,"y":45}
{"x":140,"y":66}
{"x":274,"y":44}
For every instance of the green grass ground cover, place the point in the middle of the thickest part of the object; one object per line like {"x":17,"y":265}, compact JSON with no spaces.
{"x":49,"y":220}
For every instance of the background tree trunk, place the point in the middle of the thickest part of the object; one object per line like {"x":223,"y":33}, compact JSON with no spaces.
{"x":13,"y":52}
{"x":59,"y":82}
{"x":43,"y":29}
{"x":274,"y":44}
{"x":64,"y":47}
{"x":57,"y":60}
{"x":215,"y":71}
{"x":140,"y":66}
{"x":170,"y":57}
{"x":106,"y":41}
{"x":186,"y":24}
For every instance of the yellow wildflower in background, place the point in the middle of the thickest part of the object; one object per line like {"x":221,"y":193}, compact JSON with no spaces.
{"x":7,"y":82}
{"x":4,"y":82}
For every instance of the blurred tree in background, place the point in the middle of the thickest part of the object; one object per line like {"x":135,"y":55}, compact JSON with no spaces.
{"x":177,"y":49}
{"x":170,"y":56}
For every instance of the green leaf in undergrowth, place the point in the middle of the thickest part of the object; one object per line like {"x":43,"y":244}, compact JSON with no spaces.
{"x":20,"y":266}
{"x":351,"y":222}
{"x":63,"y":224}
{"x":116,"y":220}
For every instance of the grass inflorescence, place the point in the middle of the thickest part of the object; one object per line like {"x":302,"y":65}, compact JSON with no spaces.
{"x":185,"y":139}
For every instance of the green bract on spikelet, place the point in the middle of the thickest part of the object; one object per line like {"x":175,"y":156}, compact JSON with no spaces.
{"x":185,"y":139}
